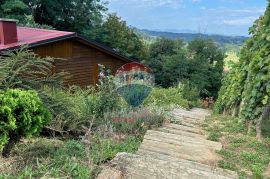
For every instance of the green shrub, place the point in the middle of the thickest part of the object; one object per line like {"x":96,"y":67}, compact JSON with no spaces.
{"x":214,"y":136}
{"x":189,"y":91}
{"x":227,"y":165}
{"x":70,"y":108}
{"x":22,"y":113}
{"x":162,"y":97}
{"x":74,"y":107}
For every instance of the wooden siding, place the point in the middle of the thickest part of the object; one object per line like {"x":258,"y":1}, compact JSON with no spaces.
{"x":80,"y":61}
{"x":58,"y":50}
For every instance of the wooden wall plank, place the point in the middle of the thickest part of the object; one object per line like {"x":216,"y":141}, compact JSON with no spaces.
{"x":80,"y":62}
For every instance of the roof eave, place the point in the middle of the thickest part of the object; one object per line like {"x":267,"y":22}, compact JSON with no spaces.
{"x":43,"y":42}
{"x":79,"y":38}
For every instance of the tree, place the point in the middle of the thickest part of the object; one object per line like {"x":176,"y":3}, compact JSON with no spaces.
{"x":13,"y":9}
{"x":164,"y":46}
{"x":175,"y":68}
{"x":159,"y":54}
{"x":206,"y":66}
{"x":201,"y":63}
{"x":117,"y":35}
{"x":82,"y":16}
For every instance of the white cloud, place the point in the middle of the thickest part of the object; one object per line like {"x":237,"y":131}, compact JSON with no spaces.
{"x":240,"y":21}
{"x":253,"y":10}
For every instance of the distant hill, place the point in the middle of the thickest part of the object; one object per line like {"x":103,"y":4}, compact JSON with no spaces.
{"x":221,"y":39}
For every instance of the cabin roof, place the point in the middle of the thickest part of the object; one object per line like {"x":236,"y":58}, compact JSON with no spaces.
{"x":33,"y":37}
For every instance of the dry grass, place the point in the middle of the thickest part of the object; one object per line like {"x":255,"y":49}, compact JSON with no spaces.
{"x":26,"y":153}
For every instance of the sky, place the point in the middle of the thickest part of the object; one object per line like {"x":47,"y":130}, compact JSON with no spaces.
{"x":226,"y":17}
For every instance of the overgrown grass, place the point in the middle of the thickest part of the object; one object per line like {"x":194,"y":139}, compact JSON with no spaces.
{"x":47,"y":158}
{"x":241,"y":152}
{"x":136,"y":122}
{"x":81,"y":157}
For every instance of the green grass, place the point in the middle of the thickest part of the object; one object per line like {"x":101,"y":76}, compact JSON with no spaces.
{"x":214,"y":136}
{"x":50,"y":158}
{"x":241,"y":152}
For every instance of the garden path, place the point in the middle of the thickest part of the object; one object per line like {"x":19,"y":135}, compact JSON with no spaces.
{"x":177,"y":150}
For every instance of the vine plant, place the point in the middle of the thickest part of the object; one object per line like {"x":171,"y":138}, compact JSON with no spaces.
{"x":246,"y":88}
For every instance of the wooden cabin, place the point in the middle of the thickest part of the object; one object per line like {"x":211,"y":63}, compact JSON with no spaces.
{"x":81,"y":55}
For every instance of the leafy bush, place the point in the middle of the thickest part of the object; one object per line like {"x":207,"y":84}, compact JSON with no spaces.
{"x":190,"y":92}
{"x":74,"y":107}
{"x":162,"y":97}
{"x":68,"y":108}
{"x":108,"y":99}
{"x":22,"y":113}
{"x":214,"y":136}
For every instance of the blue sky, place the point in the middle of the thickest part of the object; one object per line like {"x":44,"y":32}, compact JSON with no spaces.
{"x":228,"y":17}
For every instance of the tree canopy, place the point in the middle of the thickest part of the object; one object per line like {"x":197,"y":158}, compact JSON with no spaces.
{"x":118,"y":35}
{"x":200,"y":62}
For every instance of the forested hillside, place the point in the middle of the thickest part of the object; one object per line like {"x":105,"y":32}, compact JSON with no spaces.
{"x":220,"y":39}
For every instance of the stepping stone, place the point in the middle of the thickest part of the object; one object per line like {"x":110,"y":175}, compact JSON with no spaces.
{"x":147,"y":167}
{"x":185,"y":123}
{"x":186,"y":163}
{"x":195,"y":130}
{"x":189,"y":120}
{"x":180,"y":132}
{"x":189,"y":114}
{"x":191,"y":152}
{"x":181,"y":140}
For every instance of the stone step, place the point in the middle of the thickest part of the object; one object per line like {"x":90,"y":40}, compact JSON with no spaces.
{"x":185,"y":123}
{"x":186,"y":163}
{"x":173,"y":151}
{"x":180,"y":132}
{"x":180,"y":112}
{"x":201,"y":111}
{"x":147,"y":167}
{"x":181,"y":140}
{"x":188,"y":120}
{"x":188,"y":116}
{"x":196,"y":130}
{"x":191,"y":152}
